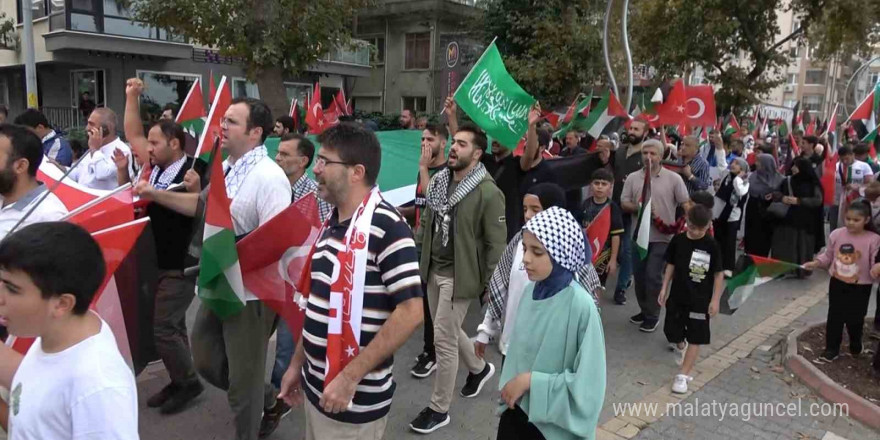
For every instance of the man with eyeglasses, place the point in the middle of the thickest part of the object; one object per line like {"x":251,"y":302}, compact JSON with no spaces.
{"x":364,"y":296}
{"x":231,"y":353}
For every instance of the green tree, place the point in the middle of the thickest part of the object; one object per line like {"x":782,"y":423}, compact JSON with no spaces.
{"x":552,"y":48}
{"x":272,"y":37}
{"x":675,"y":36}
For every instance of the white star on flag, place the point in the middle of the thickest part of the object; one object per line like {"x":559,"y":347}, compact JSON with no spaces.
{"x":680,"y":109}
{"x":349,"y":351}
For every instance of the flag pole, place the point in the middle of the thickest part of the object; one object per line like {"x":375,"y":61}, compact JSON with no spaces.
{"x":472,"y":69}
{"x":44,"y":196}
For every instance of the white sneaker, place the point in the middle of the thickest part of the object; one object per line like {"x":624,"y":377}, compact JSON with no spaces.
{"x":728,"y":273}
{"x":679,"y":353}
{"x":680,"y":384}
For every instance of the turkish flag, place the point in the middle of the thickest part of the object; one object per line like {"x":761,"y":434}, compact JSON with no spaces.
{"x":700,"y":106}
{"x":315,"y":116}
{"x":521,"y":148}
{"x":110,"y":210}
{"x":551,"y":117}
{"x":597,"y":232}
{"x":830,"y":164}
{"x":72,"y":194}
{"x":331,"y":115}
{"x":673,"y":109}
{"x":273,"y":257}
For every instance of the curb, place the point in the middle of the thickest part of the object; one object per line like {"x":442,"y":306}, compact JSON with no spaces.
{"x":859,"y":408}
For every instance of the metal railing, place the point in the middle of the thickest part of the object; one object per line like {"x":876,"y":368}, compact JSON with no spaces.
{"x":64,"y":118}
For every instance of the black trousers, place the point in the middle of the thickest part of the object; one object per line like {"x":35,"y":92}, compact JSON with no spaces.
{"x":725,"y":235}
{"x":514,"y":425}
{"x":429,"y":325}
{"x":847,"y":306}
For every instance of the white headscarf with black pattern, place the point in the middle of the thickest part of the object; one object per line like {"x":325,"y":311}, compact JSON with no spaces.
{"x":561,"y":235}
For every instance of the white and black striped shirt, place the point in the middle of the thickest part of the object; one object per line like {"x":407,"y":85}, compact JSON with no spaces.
{"x":392,"y":277}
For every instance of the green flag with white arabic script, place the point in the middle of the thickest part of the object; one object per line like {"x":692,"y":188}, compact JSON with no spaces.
{"x":495,"y":102}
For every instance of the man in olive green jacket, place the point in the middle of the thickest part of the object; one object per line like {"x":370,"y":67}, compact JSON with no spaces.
{"x":461,"y":236}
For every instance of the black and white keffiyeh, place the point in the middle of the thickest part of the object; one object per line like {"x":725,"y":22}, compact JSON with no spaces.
{"x":441,"y":203}
{"x":164,"y":178}
{"x":241,"y":168}
{"x":561,"y":235}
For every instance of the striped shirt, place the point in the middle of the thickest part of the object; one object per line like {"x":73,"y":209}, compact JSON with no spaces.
{"x":392,"y":277}
{"x":700,"y":170}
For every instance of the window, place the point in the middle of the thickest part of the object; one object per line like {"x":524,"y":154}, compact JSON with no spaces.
{"x":813,"y":103}
{"x":418,"y":51}
{"x":794,"y":52}
{"x":366,"y":104}
{"x":300,"y":91}
{"x":815,"y":77}
{"x":87,"y":81}
{"x":377,"y":52}
{"x":792,"y":78}
{"x":418,"y":104}
{"x":873,"y":78}
{"x":40,"y":9}
{"x":4,"y":91}
{"x":161,"y":89}
{"x":242,"y":88}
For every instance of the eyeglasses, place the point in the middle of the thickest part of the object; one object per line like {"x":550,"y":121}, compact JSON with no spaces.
{"x":322,"y":161}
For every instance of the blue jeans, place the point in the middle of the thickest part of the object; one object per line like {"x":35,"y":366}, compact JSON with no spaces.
{"x":624,"y":257}
{"x":284,"y":348}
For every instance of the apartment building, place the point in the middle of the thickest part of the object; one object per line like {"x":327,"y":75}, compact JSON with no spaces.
{"x":93,"y":46}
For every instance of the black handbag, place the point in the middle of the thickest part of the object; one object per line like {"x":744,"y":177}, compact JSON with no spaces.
{"x":779,"y":209}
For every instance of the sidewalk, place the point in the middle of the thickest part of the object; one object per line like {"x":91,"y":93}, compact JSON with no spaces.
{"x":758,"y":382}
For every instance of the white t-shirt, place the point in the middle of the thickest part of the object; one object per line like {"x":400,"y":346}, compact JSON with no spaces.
{"x":98,"y":170}
{"x":49,"y":210}
{"x":84,"y":392}
{"x":856,"y":174}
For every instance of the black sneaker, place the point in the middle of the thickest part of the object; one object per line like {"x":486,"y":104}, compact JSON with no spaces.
{"x":828,"y":356}
{"x":425,"y":365}
{"x":637,"y":319}
{"x":158,"y":399}
{"x":429,"y":421}
{"x":649,"y":325}
{"x":272,"y":417}
{"x":620,"y":297}
{"x":475,"y":382}
{"x":182,"y":397}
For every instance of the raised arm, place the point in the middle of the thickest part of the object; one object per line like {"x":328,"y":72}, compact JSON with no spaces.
{"x":134,"y":130}
{"x":451,"y":110}
{"x":527,"y":160}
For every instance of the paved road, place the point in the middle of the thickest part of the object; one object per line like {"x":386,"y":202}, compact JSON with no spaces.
{"x":638,"y":364}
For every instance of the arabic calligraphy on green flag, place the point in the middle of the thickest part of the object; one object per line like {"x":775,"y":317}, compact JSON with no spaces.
{"x":493,"y":99}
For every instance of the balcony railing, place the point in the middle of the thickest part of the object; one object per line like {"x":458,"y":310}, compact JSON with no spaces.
{"x":64,"y":118}
{"x":103,"y":17}
{"x":359,"y":56}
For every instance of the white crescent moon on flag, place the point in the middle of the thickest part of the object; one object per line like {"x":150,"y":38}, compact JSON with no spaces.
{"x":702,"y":105}
{"x":652,"y":118}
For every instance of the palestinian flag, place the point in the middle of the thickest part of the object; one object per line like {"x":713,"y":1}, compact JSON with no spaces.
{"x":732,"y":126}
{"x":643,"y":225}
{"x":751,"y":271}
{"x":211,"y":132}
{"x":868,"y":106}
{"x":871,"y":140}
{"x":606,"y":110}
{"x":575,"y":118}
{"x":192,"y":112}
{"x":220,"y":283}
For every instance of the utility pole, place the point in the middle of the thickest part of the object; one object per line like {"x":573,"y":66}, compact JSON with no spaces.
{"x":30,"y":67}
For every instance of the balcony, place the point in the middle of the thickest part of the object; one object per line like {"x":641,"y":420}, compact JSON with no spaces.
{"x":358,"y":56}
{"x":106,"y":25}
{"x":423,"y":8}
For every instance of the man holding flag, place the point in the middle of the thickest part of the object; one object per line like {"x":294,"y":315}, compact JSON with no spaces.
{"x":172,"y":232}
{"x":651,"y":195}
{"x":363,"y":294}
{"x":230,"y":351}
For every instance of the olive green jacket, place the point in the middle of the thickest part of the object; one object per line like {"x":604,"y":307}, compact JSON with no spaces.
{"x":480,"y":238}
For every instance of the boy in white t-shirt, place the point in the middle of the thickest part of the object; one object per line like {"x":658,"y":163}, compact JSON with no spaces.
{"x":73,"y":382}
{"x":850,"y":179}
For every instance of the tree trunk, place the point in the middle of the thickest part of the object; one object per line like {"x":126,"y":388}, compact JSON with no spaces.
{"x":271,"y":84}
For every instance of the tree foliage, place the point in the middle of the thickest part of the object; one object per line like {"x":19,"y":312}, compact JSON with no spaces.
{"x":270,"y":36}
{"x":553,"y":48}
{"x":674,"y":36}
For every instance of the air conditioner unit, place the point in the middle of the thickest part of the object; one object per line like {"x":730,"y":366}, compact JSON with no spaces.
{"x":789,"y":88}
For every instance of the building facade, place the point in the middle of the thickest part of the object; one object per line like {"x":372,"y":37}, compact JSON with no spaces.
{"x":86,"y":49}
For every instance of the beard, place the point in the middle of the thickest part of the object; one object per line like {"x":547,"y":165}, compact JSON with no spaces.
{"x":460,"y":163}
{"x":7,"y":181}
{"x":633,"y":139}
